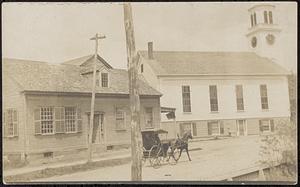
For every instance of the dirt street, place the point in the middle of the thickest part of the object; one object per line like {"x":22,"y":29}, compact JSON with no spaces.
{"x":216,"y":158}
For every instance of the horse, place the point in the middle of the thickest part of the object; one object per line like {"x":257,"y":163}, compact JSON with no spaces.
{"x":182,"y":143}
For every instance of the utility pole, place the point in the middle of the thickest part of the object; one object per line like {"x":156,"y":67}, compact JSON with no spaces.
{"x":96,"y":38}
{"x":132,"y":58}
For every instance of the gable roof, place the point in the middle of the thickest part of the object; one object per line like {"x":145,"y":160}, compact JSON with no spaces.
{"x":82,"y":61}
{"x":211,"y":63}
{"x":46,"y":77}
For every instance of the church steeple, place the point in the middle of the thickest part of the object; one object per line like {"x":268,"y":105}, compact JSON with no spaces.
{"x":264,"y":30}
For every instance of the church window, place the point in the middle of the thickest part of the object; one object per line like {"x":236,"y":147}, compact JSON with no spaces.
{"x":239,"y":97}
{"x":266,"y":16}
{"x":254,"y":17}
{"x":251,"y":20}
{"x":142,"y":68}
{"x":264,"y":97}
{"x":186,"y":98}
{"x":213,"y":98}
{"x":270,"y":17}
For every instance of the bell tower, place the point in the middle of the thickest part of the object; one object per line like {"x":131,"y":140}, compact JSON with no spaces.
{"x":264,"y":32}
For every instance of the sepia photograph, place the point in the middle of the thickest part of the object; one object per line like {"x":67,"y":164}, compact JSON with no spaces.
{"x":149,"y":92}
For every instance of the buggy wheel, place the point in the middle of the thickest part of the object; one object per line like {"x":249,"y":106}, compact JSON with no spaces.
{"x":157,"y":160}
{"x":153,"y":154}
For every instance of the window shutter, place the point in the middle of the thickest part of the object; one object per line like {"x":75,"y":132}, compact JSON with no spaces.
{"x":15,"y":122}
{"x":37,"y":121}
{"x":209,"y":127}
{"x":272,"y":125}
{"x":59,"y":116}
{"x":260,"y":126}
{"x":194,"y":129}
{"x":79,"y":120}
{"x":5,"y":125}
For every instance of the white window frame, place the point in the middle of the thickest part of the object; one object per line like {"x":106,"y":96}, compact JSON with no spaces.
{"x":242,"y":98}
{"x":12,"y":124}
{"x":269,"y":124}
{"x":43,"y":120}
{"x":184,"y":98}
{"x":262,"y":96}
{"x":210,"y":98}
{"x":219,"y":128}
{"x":270,"y":15}
{"x":122,"y":109}
{"x":100,"y":83}
{"x":244,"y":125}
{"x":75,"y":119}
{"x":152,"y":124}
{"x":191,"y":127}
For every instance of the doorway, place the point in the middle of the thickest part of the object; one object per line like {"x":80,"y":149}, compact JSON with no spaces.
{"x":98,"y":130}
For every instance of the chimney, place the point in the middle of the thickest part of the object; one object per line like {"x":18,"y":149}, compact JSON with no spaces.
{"x":150,"y":50}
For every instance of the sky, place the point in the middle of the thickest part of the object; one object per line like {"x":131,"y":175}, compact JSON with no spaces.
{"x":56,"y":32}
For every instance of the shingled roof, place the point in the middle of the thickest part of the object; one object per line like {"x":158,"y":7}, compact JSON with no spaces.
{"x":46,"y":77}
{"x":211,"y":63}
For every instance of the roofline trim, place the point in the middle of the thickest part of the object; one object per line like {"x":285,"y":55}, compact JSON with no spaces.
{"x":35,"y":92}
{"x":261,"y":5}
{"x":100,"y":59}
{"x":262,"y":29}
{"x":262,"y":74}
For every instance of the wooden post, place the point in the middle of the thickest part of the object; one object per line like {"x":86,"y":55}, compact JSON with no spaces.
{"x":96,"y":38}
{"x":132,"y":58}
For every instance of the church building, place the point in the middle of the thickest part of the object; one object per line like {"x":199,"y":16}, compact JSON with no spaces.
{"x":223,"y":93}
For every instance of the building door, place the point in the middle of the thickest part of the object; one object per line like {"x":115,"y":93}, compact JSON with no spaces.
{"x":98,"y":130}
{"x":241,"y":128}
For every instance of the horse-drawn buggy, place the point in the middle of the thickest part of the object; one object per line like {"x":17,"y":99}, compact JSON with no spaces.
{"x":157,"y":148}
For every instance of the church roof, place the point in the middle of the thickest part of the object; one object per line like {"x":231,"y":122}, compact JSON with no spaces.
{"x":87,"y":59}
{"x":47,"y":77}
{"x":211,"y":63}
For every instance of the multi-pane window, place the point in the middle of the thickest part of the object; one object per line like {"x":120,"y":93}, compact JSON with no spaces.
{"x":185,"y":127}
{"x":186,"y":99}
{"x":149,"y":117}
{"x":266,"y":125}
{"x":264,"y":97}
{"x":120,"y":118}
{"x":50,"y":120}
{"x":213,"y":98}
{"x":104,"y":79}
{"x":10,"y":121}
{"x":239,"y":97}
{"x":70,"y":119}
{"x":215,"y":128}
{"x":265,"y":16}
{"x":47,"y":120}
{"x":270,"y":17}
{"x":59,"y":113}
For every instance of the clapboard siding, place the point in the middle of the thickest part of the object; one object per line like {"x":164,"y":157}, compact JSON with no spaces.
{"x":13,"y":98}
{"x":42,"y":143}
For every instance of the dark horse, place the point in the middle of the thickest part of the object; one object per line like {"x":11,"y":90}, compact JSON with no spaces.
{"x":182,"y":143}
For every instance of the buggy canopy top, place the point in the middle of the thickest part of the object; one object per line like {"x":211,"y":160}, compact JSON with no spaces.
{"x":156,"y":131}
